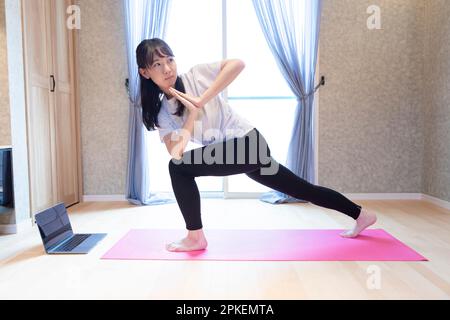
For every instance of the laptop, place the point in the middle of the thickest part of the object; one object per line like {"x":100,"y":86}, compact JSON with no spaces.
{"x":57,"y":235}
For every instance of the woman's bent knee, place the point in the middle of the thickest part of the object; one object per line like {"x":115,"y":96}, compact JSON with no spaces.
{"x":174,"y":166}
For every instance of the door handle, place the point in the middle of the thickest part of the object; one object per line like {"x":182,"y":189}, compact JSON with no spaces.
{"x":53,"y":83}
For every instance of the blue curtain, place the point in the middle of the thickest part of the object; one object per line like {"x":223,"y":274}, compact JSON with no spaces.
{"x":144,"y":19}
{"x":291,"y":28}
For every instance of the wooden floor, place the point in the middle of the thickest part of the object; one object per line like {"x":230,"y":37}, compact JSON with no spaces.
{"x":26,"y":272}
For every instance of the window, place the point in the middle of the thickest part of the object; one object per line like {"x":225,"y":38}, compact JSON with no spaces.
{"x":259,"y":94}
{"x":194,"y":38}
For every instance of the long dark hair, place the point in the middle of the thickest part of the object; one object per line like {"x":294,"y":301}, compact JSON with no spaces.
{"x":151,"y":94}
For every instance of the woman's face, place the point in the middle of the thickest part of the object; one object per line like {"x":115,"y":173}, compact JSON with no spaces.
{"x":163,"y":72}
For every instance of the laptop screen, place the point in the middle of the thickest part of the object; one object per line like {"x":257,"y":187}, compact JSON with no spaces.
{"x":6,"y":192}
{"x":54,"y":225}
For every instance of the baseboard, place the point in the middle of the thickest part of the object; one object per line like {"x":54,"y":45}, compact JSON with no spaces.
{"x":257,"y":195}
{"x":20,"y":227}
{"x":119,"y":197}
{"x":104,"y":198}
{"x":384,"y":196}
{"x":243,"y":195}
{"x":436,"y":201}
{"x":8,"y":229}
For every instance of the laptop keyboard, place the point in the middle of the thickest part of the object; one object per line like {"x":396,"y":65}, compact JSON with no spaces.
{"x":72,"y":243}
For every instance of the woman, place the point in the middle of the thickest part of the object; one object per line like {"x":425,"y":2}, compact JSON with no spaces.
{"x":187,"y":107}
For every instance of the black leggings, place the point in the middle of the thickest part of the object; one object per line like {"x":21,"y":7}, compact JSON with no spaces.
{"x":249,"y":154}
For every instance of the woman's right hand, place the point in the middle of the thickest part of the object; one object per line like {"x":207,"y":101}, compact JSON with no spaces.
{"x":189,"y":105}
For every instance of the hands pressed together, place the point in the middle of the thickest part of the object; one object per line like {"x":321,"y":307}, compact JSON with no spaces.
{"x":190,"y":102}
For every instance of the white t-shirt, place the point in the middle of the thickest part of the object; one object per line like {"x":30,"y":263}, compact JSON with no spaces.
{"x":216,"y":121}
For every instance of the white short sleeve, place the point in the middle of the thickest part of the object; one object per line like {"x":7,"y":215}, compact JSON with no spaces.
{"x":204,"y":75}
{"x":166,"y":125}
{"x":209,"y":71}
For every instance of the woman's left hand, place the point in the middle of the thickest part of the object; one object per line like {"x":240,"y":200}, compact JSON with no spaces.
{"x":196,"y":101}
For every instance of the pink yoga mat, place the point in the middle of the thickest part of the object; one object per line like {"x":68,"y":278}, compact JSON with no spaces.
{"x":266,"y":245}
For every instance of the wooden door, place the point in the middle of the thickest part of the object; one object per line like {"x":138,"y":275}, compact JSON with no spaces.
{"x":65,"y":115}
{"x":40,"y":117}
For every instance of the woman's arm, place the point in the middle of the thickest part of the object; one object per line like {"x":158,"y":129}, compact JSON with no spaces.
{"x":176,"y":143}
{"x":229,"y":71}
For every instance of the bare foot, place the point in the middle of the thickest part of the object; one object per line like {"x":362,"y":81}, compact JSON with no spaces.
{"x":194,"y":241}
{"x":365,"y":220}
